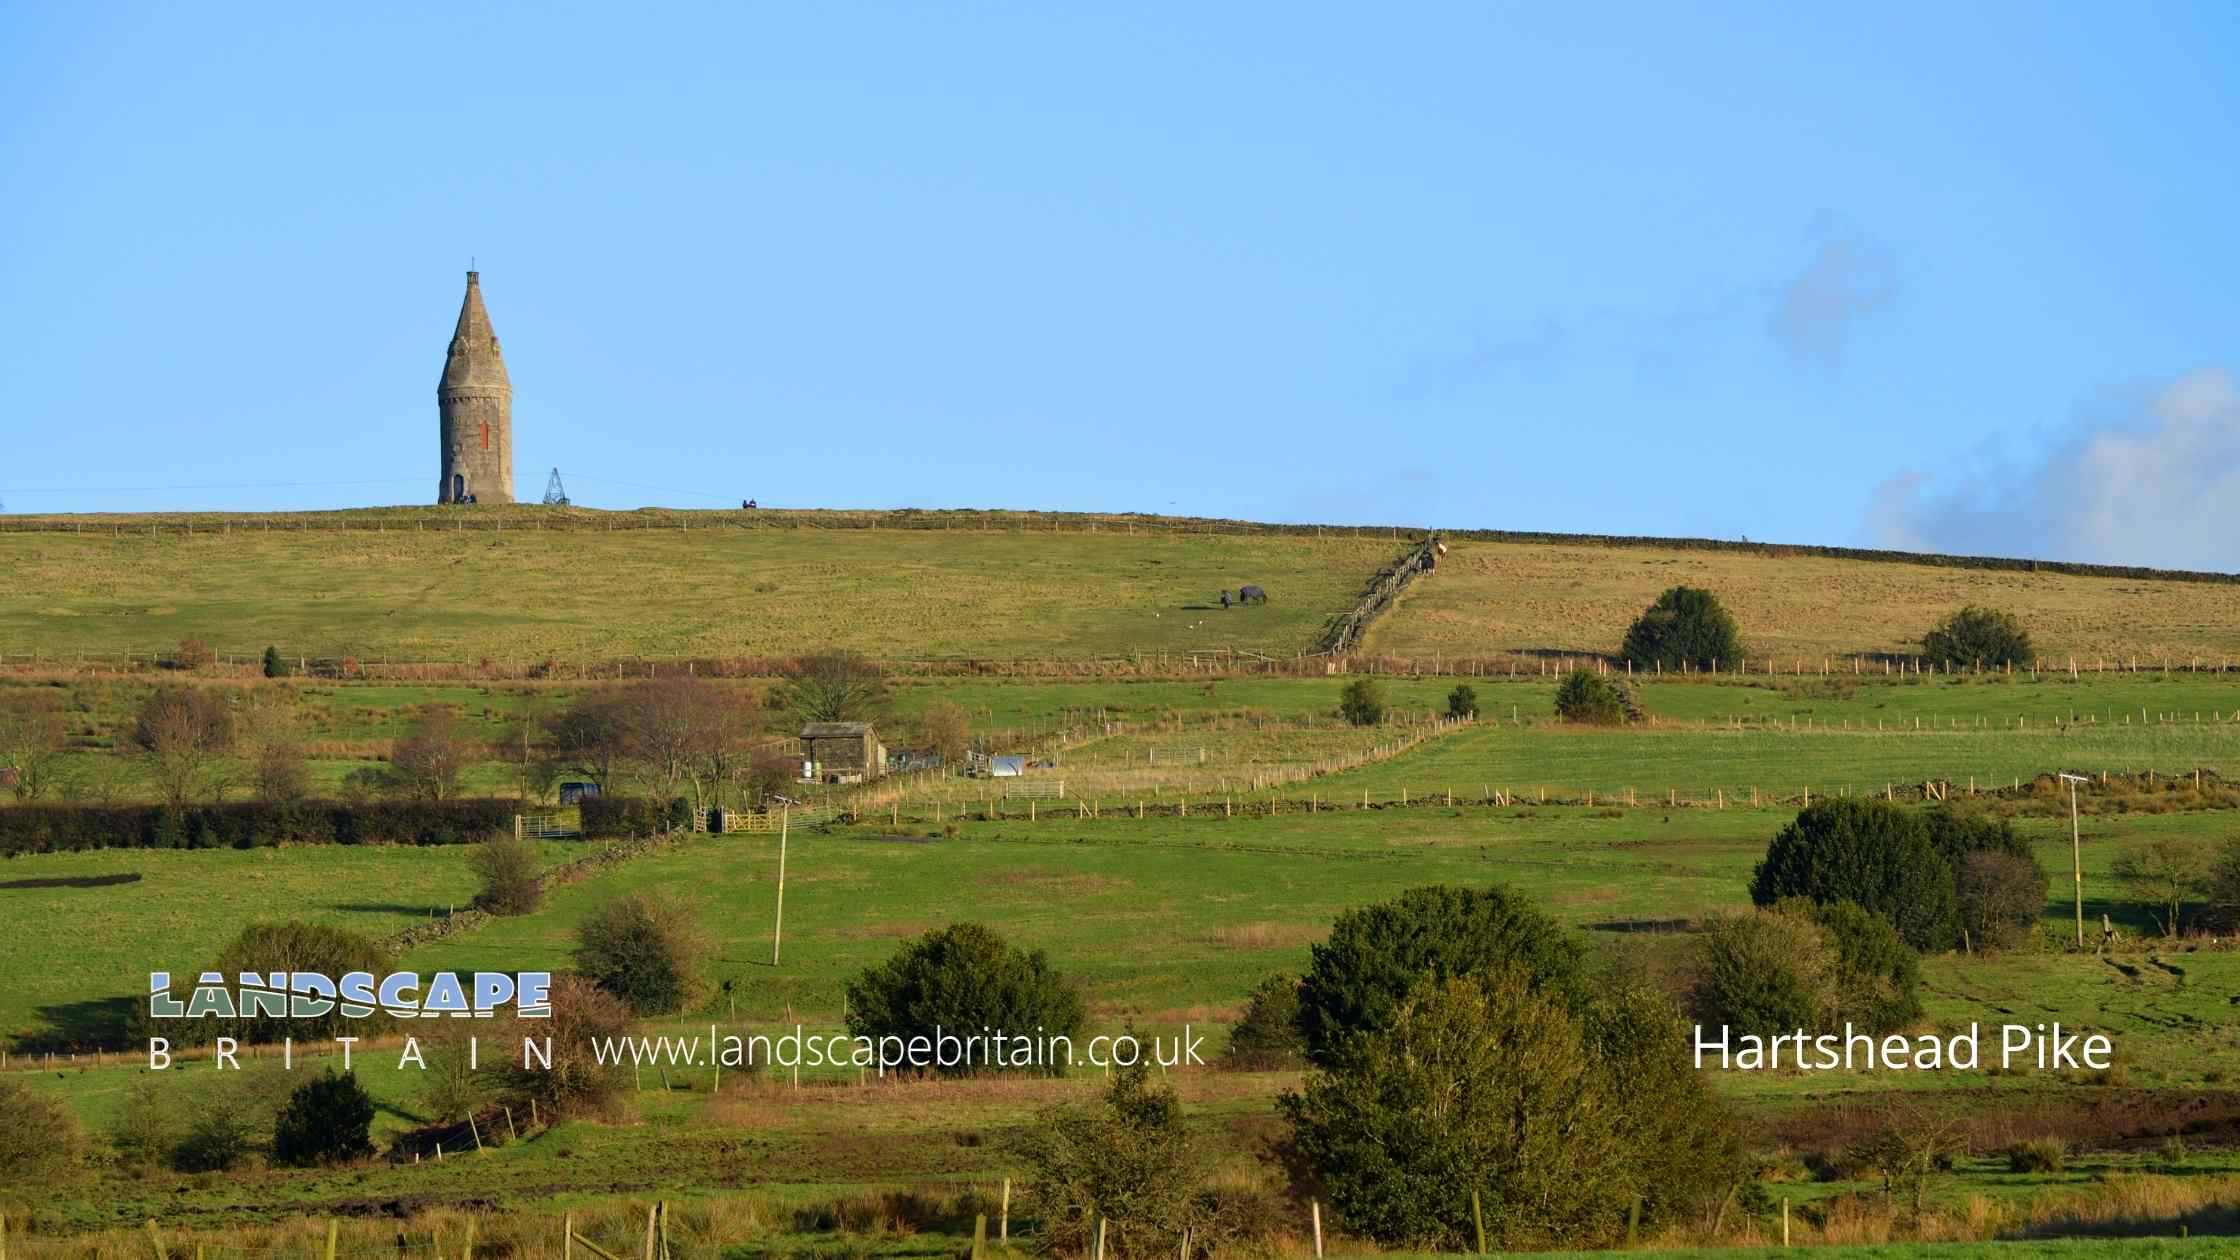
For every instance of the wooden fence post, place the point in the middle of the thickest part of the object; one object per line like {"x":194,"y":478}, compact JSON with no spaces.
{"x":979,"y":1235}
{"x":1315,"y":1205}
{"x":1478,"y":1219}
{"x":334,"y":1229}
{"x":1003,"y":1221}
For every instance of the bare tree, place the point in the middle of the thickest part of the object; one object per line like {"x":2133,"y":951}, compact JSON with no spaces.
{"x":278,"y":769}
{"x":183,"y":734}
{"x":589,"y":737}
{"x":836,"y":686}
{"x":946,"y":728}
{"x":33,"y":735}
{"x":681,"y":729}
{"x":426,"y":765}
{"x":2163,"y":873}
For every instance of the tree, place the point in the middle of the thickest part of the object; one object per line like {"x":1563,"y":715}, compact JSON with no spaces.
{"x":267,"y":725}
{"x":1588,"y":698}
{"x":1766,"y":973}
{"x":1362,"y":702}
{"x":2165,"y":872}
{"x":2224,"y":886}
{"x":509,"y":880}
{"x":427,"y":763}
{"x":1377,"y":954}
{"x":265,"y":947}
{"x":274,"y":667}
{"x":1127,"y":1158}
{"x":1266,"y":1037}
{"x":835,"y":686}
{"x":647,"y":949}
{"x":328,"y":1120}
{"x":225,"y":1120}
{"x":1686,"y":626}
{"x":33,"y":735}
{"x":1462,"y":702}
{"x":1868,"y":852}
{"x":945,"y":727}
{"x":1482,"y":1084}
{"x":681,"y":729}
{"x":40,"y":1140}
{"x":1981,"y":637}
{"x":590,"y":736}
{"x":181,"y":734}
{"x":964,"y":977}
{"x":1999,"y":897}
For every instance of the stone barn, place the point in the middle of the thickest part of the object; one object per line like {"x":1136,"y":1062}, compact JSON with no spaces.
{"x":842,"y":752}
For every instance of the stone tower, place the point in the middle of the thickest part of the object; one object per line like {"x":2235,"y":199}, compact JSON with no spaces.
{"x":475,"y":401}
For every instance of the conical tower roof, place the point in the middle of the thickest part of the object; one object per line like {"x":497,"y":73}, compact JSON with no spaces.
{"x":474,"y":364}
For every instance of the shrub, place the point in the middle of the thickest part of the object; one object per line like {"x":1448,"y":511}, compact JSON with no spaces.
{"x":221,"y":1132}
{"x":647,"y":950}
{"x":1983,"y":637}
{"x":285,"y":945}
{"x":274,"y":667}
{"x":567,"y":1078}
{"x":1878,"y":975}
{"x":2037,"y":1155}
{"x":1587,"y":697}
{"x":1127,"y":1157}
{"x":1377,"y":954}
{"x":1266,"y":1037}
{"x":1362,"y":702}
{"x":605,"y":815}
{"x":40,"y":1140}
{"x":1767,"y":973}
{"x":1868,"y":852}
{"x":1999,"y":898}
{"x":327,"y":1120}
{"x":1462,"y":702}
{"x":194,"y":654}
{"x":1686,"y":626}
{"x":146,"y":1128}
{"x":960,"y":978}
{"x":506,"y":868}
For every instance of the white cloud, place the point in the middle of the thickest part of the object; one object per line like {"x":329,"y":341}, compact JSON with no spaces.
{"x":2159,"y":488}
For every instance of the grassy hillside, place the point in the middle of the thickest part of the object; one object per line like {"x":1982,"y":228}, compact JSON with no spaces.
{"x":419,"y":590}
{"x":1496,"y":597}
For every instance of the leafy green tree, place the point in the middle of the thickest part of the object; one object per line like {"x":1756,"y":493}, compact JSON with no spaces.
{"x":1377,"y":954}
{"x":1982,"y":637}
{"x":647,"y":949}
{"x":1871,"y":853}
{"x":1267,"y":1037}
{"x":1766,"y":973}
{"x":1127,"y":1158}
{"x":1686,"y":626}
{"x":1588,"y":698}
{"x":963,"y":978}
{"x":1362,"y":702}
{"x":1462,"y":702}
{"x":328,"y":1120}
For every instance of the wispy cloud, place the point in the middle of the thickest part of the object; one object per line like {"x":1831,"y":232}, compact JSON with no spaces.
{"x":1846,"y":280}
{"x":2160,"y":487}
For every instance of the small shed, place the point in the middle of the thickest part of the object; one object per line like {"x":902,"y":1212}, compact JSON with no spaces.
{"x":1006,"y":767}
{"x":841,"y":752}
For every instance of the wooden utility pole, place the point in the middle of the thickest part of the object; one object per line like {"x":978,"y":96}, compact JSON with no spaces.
{"x":778,"y":920}
{"x":2076,"y":853}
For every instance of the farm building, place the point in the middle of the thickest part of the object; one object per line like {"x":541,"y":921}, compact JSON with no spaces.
{"x":841,"y":752}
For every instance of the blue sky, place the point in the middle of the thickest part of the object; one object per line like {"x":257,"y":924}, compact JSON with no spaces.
{"x":1957,"y":278}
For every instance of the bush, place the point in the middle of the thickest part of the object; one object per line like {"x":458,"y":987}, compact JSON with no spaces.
{"x":285,"y":945}
{"x":274,"y":667}
{"x":574,"y":1082}
{"x":510,"y":882}
{"x":647,"y":950}
{"x":1362,"y":702}
{"x":1999,"y":898}
{"x":962,"y":978}
{"x":40,"y":1140}
{"x":605,"y":816}
{"x":1587,"y":697}
{"x":221,"y":1131}
{"x":1878,"y":975}
{"x":1867,"y":852}
{"x":1974,"y":636}
{"x":1376,"y":956}
{"x":328,"y":1120}
{"x":1462,"y":702}
{"x":1956,"y":834}
{"x":1685,"y":627}
{"x":1767,"y":973}
{"x":1266,"y":1037}
{"x":1128,"y":1158}
{"x":2038,"y":1155}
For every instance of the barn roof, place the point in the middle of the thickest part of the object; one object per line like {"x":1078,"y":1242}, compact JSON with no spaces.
{"x":835,"y":730}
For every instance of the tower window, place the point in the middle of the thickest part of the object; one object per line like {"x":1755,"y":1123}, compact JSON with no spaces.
{"x":486,"y":435}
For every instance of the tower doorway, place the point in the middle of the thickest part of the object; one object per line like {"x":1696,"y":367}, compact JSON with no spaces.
{"x":458,"y":488}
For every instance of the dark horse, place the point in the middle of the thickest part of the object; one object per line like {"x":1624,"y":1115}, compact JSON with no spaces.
{"x":1251,"y":595}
